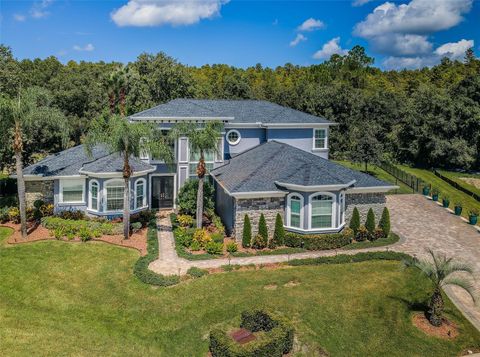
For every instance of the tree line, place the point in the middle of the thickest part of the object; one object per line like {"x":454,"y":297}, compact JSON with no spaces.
{"x":428,"y":117}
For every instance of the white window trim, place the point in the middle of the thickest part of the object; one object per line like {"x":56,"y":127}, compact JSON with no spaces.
{"x":105,"y":186}
{"x":288,"y":210}
{"x":334,"y":211}
{"x":99,"y":195}
{"x":314,"y":148}
{"x":233,"y":143}
{"x":144,"y":201}
{"x":60,"y":194}
{"x":174,"y":188}
{"x":342,"y":208}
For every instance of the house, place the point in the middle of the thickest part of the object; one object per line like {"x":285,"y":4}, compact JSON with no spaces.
{"x":271,"y":159}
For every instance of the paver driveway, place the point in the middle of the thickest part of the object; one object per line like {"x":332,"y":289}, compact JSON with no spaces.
{"x":423,"y":224}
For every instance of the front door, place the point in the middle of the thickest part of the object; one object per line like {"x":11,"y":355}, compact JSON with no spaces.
{"x":162,"y":192}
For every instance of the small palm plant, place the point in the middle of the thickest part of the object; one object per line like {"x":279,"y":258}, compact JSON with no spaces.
{"x":441,"y":272}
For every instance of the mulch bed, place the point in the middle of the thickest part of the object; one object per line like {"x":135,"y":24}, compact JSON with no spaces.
{"x":448,"y":330}
{"x":136,"y":241}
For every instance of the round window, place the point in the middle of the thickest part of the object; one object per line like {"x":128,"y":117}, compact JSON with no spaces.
{"x":233,"y":137}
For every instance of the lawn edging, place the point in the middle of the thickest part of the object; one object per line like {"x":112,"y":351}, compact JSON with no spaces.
{"x":141,"y":270}
{"x":352,"y":258}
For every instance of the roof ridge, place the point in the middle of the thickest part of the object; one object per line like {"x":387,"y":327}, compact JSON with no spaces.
{"x":190,"y":100}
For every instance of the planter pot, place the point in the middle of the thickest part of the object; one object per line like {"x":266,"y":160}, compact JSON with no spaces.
{"x":446,"y":203}
{"x":426,"y":190}
{"x":435,"y":197}
{"x":473,"y":219}
{"x":458,"y":210}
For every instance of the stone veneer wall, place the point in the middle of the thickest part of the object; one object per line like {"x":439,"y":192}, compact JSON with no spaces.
{"x":364,"y":201}
{"x":254,"y":207}
{"x":38,"y":190}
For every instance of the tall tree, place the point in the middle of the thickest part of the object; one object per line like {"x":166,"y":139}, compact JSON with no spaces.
{"x":21,"y":118}
{"x":128,"y":140}
{"x":442,"y":271}
{"x":366,"y":149}
{"x":202,"y":139}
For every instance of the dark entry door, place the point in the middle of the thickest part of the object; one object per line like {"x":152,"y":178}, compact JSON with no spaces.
{"x":162,"y":192}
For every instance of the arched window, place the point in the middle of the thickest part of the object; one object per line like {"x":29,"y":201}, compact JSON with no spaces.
{"x":322,"y":211}
{"x":94,"y":195}
{"x":114,"y":194}
{"x":295,"y":210}
{"x":140,"y":194}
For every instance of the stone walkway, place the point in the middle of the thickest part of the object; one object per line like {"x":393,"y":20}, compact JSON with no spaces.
{"x":419,"y":222}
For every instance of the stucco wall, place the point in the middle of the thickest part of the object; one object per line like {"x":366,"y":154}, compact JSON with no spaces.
{"x":249,"y":138}
{"x":364,"y":201}
{"x":254,"y":207}
{"x":39,"y":190}
{"x":299,"y":138}
{"x":224,"y":207}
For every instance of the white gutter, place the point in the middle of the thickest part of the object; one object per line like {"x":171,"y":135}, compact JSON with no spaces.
{"x":114,"y":174}
{"x":379,"y":189}
{"x":180,"y":118}
{"x":315,"y":187}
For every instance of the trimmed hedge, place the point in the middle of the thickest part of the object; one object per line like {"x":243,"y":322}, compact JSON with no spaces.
{"x":355,"y":258}
{"x":319,"y":241}
{"x":275,"y":342}
{"x":140,"y":269}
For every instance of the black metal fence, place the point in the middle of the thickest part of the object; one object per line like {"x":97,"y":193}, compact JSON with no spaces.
{"x":412,"y":181}
{"x":457,"y":185}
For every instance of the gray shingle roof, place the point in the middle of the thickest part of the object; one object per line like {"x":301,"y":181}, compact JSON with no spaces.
{"x":239,"y":111}
{"x":70,"y":161}
{"x":259,"y":168}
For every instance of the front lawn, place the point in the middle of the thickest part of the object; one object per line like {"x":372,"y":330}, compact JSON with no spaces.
{"x":59,"y":298}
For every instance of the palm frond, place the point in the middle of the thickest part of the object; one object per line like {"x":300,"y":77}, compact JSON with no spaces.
{"x":462,"y":283}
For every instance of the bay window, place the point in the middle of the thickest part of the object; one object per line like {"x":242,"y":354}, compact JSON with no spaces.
{"x":295,"y":211}
{"x":114,"y":195}
{"x":140,"y":194}
{"x":94,"y":195}
{"x":321,"y":211}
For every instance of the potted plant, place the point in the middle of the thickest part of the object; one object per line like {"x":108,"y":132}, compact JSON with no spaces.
{"x":445,"y":201}
{"x":426,"y":190}
{"x":458,"y":208}
{"x":473,"y":216}
{"x":435,"y":194}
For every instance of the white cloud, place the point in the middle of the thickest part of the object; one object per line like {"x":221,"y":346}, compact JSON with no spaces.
{"x":39,"y":9}
{"x":88,"y":47}
{"x":311,"y":24}
{"x":360,"y":2}
{"x":19,"y":17}
{"x":171,"y":12}
{"x":297,"y":40}
{"x":402,"y":45}
{"x":330,"y":48}
{"x":393,"y":62}
{"x":454,"y":50}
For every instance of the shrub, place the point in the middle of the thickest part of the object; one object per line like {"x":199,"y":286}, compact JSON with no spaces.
{"x":183,"y":236}
{"x":4,"y":216}
{"x":59,"y":233}
{"x":217,"y":223}
{"x":217,"y":237}
{"x":187,"y":197}
{"x":348,"y":233}
{"x":202,"y":236}
{"x":247,"y":232}
{"x":377,"y":234}
{"x":318,"y":241}
{"x":279,"y":233}
{"x":259,"y":242}
{"x":370,"y":222}
{"x":197,"y":272}
{"x":195,"y":246}
{"x":276,"y":341}
{"x":85,"y":234}
{"x":354,"y":258}
{"x":214,"y":248}
{"x":46,"y":210}
{"x":355,"y":221}
{"x":262,"y":227}
{"x":384,"y":223}
{"x":362,"y":234}
{"x":140,"y":268}
{"x":72,"y":228}
{"x":232,"y":247}
{"x":144,"y":217}
{"x":14,"y":215}
{"x":71,"y":214}
{"x":184,"y":220}
{"x":38,"y":203}
{"x":135,"y":227}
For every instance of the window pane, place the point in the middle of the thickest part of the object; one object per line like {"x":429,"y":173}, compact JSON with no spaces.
{"x":208,"y":155}
{"x":295,"y":206}
{"x":114,"y":198}
{"x":295,"y":220}
{"x":72,"y":191}
{"x":321,"y":221}
{"x":320,"y":207}
{"x":320,"y":135}
{"x":94,"y":193}
{"x":139,"y":195}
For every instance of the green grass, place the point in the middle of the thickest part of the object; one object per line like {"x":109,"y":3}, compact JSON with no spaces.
{"x":380,"y":174}
{"x":391,"y":239}
{"x":82,"y":299}
{"x":455,"y":176}
{"x":445,"y":189}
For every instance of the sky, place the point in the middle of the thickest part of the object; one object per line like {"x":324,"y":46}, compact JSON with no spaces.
{"x":242,"y":33}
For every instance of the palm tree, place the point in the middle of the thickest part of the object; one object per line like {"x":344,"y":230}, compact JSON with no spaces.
{"x":201,"y":139}
{"x":22,"y":117}
{"x":117,"y":82}
{"x":129,"y":140}
{"x":441,"y":272}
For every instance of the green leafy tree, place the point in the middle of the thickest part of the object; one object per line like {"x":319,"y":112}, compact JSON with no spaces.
{"x":262,"y":227}
{"x":279,"y":232}
{"x":355,"y":221}
{"x":370,"y":222}
{"x":366,"y":147}
{"x":21,"y":118}
{"x":202,"y":138}
{"x":247,"y":232}
{"x":128,"y":140}
{"x":442,"y":271}
{"x":187,"y":197}
{"x":384,"y":223}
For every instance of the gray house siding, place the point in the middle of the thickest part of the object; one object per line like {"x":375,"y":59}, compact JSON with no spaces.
{"x":224,"y":207}
{"x":299,"y":138}
{"x":249,"y":138}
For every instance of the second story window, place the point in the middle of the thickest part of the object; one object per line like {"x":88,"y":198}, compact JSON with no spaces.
{"x":319,"y":138}
{"x":233,"y":137}
{"x":195,"y":157}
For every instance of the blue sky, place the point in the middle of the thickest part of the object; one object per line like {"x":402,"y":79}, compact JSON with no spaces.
{"x":242,"y":33}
